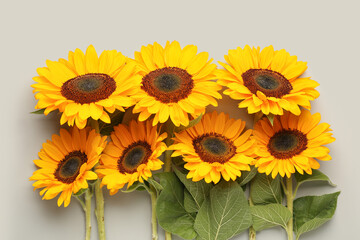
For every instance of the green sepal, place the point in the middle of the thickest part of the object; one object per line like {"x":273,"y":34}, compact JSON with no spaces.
{"x":155,"y":184}
{"x":80,"y":192}
{"x":40,"y":111}
{"x":271,"y":116}
{"x":136,"y":186}
{"x":92,"y":182}
{"x":191,"y":124}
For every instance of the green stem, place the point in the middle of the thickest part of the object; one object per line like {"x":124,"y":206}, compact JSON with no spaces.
{"x":99,"y":197}
{"x":283,"y":186}
{"x":99,"y":210}
{"x":167,"y":159}
{"x":296,"y":189}
{"x":167,"y":236}
{"x":81,"y":202}
{"x":153,"y":196}
{"x":86,"y":206}
{"x":88,"y":196}
{"x":252,"y":232}
{"x":290,"y":200}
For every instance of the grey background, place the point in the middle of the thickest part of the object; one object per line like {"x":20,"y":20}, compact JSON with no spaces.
{"x":323,"y":33}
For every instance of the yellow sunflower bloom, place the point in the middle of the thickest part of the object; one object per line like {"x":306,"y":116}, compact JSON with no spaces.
{"x":86,"y":86}
{"x":65,"y":163}
{"x":292,"y":143}
{"x":131,"y":156}
{"x":268,"y":81}
{"x":175,"y":83}
{"x":215,"y":147}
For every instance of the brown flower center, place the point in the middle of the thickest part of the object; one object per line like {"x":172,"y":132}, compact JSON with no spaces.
{"x":168,"y":85}
{"x":213,"y":147}
{"x":88,"y":88}
{"x":271,"y":83}
{"x":133,"y":156}
{"x":69,"y":168}
{"x":287,"y":143}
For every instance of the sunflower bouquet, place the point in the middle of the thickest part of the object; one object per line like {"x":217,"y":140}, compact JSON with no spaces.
{"x":141,"y":125}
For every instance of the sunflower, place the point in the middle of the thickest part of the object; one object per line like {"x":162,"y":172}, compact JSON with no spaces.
{"x":267,"y":80}
{"x":215,"y":147}
{"x":292,"y":143}
{"x":86,"y":86}
{"x":175,"y":83}
{"x":131,"y":156}
{"x":65,"y":163}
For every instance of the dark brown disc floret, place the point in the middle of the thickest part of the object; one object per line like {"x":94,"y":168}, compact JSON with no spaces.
{"x":88,"y":88}
{"x":214,"y":147}
{"x":287,"y":143}
{"x":271,"y":83}
{"x":168,"y":85}
{"x":69,"y":168}
{"x":133,"y":156}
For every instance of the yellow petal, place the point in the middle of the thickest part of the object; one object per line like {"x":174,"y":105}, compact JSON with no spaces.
{"x":91,"y":60}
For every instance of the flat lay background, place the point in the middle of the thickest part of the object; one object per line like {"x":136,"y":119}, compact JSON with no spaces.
{"x":323,"y":33}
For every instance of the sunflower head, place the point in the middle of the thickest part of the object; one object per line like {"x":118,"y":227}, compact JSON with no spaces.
{"x":291,"y":144}
{"x":267,"y":81}
{"x":175,"y":83}
{"x":65,"y":163}
{"x":131,"y":155}
{"x":215,"y":147}
{"x":86,"y":86}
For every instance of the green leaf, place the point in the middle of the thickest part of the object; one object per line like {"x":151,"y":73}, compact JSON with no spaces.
{"x":116,"y":118}
{"x":315,"y":176}
{"x":246,"y":176}
{"x":170,"y":209}
{"x":155,"y":184}
{"x":191,"y":124}
{"x":40,"y":111}
{"x":225,"y":214}
{"x":203,"y":222}
{"x":136,"y":186}
{"x":268,"y":216}
{"x":264,"y":189}
{"x":189,"y":203}
{"x":311,"y":212}
{"x":199,"y":190}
